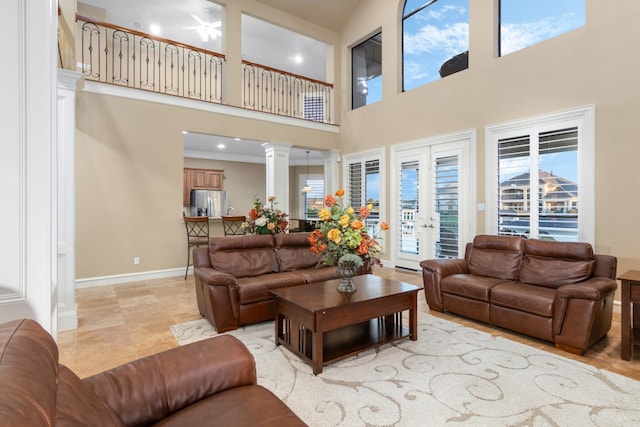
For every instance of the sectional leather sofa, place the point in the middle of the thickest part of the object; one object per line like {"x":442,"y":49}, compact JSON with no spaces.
{"x":235,"y":274}
{"x":205,"y":383}
{"x":556,"y":291}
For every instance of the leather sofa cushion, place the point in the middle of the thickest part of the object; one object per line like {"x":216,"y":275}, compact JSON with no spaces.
{"x":469,"y":286}
{"x":496,"y":256}
{"x":256,"y":289}
{"x":78,"y":406}
{"x":554,"y":264}
{"x":292,"y":250}
{"x":244,"y":256}
{"x":522,"y":297}
{"x":241,"y":406}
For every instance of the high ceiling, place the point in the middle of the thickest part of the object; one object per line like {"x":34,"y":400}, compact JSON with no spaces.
{"x":177,"y":21}
{"x":330,"y":14}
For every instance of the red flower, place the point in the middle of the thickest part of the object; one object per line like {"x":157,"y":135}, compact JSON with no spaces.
{"x":330,"y":201}
{"x":254,"y":214}
{"x":363,"y":212}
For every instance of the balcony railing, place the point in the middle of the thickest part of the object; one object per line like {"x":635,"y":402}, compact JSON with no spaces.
{"x":275,"y":91}
{"x":119,"y":56}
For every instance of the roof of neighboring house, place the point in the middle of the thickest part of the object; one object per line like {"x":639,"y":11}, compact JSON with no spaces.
{"x":559,"y":187}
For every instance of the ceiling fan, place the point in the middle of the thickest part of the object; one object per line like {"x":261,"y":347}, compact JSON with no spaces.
{"x":206,"y":30}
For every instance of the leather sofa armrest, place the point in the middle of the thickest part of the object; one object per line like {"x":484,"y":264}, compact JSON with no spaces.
{"x":445,"y":267}
{"x":149,"y":389}
{"x":211,"y":276}
{"x":433,"y":271}
{"x":594,"y":289}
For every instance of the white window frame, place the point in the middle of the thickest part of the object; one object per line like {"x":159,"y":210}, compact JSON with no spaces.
{"x":584,"y":119}
{"x":363,"y":157}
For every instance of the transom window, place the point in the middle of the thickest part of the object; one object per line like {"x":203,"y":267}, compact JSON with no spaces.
{"x":524,"y":23}
{"x":435,"y":40}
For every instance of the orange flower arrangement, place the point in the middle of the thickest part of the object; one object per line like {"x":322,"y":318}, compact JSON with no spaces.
{"x":343,"y":235}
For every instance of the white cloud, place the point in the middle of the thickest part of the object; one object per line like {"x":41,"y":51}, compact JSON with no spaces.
{"x":518,"y":36}
{"x":452,"y":39}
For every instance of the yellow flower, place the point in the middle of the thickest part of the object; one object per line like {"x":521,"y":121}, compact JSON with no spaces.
{"x":350,"y":210}
{"x":271,"y":226}
{"x":271,"y":198}
{"x":334,"y":235}
{"x":344,"y":220}
{"x":324,"y":214}
{"x":370,"y":206}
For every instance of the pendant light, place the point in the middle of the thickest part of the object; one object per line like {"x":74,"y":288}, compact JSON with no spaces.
{"x":306,"y":188}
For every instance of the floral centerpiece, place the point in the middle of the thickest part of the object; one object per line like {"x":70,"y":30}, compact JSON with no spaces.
{"x":343,"y":239}
{"x":265,"y":219}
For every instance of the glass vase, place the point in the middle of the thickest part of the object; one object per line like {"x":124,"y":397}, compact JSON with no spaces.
{"x":346,"y":271}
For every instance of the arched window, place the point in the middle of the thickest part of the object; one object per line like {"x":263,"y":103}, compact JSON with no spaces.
{"x":435,"y":40}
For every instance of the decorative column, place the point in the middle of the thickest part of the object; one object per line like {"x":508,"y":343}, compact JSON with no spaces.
{"x":68,"y":84}
{"x":331,"y":174}
{"x":277,"y":154}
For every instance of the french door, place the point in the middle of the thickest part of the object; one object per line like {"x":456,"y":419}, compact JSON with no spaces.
{"x":430,"y":194}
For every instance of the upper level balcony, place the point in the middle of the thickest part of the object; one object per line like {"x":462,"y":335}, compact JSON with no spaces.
{"x":119,"y":56}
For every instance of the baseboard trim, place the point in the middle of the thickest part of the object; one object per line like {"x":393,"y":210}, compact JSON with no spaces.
{"x":131,"y":277}
{"x":68,"y":319}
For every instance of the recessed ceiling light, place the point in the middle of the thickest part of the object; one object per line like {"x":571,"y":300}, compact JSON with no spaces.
{"x":184,"y":132}
{"x":298,"y":59}
{"x":221,"y":145}
{"x":237,"y":139}
{"x":155,"y":29}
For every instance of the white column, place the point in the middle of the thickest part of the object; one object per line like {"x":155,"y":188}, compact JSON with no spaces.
{"x":277,"y":154}
{"x":68,"y":84}
{"x":331,"y":181}
{"x":28,"y":282}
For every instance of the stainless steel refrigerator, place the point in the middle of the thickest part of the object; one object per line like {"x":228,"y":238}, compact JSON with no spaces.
{"x":211,"y":203}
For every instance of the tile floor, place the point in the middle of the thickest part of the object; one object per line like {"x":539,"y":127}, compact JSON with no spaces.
{"x":123,"y":322}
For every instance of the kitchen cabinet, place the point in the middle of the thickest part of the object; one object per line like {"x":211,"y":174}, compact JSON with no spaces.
{"x":206,"y":179}
{"x":200,"y":179}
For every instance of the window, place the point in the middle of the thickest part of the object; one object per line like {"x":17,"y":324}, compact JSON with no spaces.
{"x":366,"y":70}
{"x":541,"y":185}
{"x":435,"y":40}
{"x":363,"y":185}
{"x":313,"y":200}
{"x":313,"y":107}
{"x":526,"y":22}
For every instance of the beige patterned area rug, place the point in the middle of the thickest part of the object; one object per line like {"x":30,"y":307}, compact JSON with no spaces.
{"x":453,"y":375}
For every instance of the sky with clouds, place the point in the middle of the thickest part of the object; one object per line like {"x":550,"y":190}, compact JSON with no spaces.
{"x":441,"y":31}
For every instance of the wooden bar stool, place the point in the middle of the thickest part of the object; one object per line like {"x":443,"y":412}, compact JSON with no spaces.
{"x":232,"y":225}
{"x":197,"y":235}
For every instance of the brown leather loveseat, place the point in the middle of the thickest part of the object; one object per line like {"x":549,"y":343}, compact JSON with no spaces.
{"x":556,"y":291}
{"x":235,"y":274}
{"x":211,"y":382}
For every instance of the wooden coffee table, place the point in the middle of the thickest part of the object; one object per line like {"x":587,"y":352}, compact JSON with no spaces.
{"x":322,"y":325}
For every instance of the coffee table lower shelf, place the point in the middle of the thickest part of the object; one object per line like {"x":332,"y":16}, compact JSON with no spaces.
{"x":341,"y":343}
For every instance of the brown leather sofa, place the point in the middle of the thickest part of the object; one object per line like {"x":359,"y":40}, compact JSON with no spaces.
{"x":211,"y":382}
{"x":235,"y":274}
{"x":556,"y":291}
